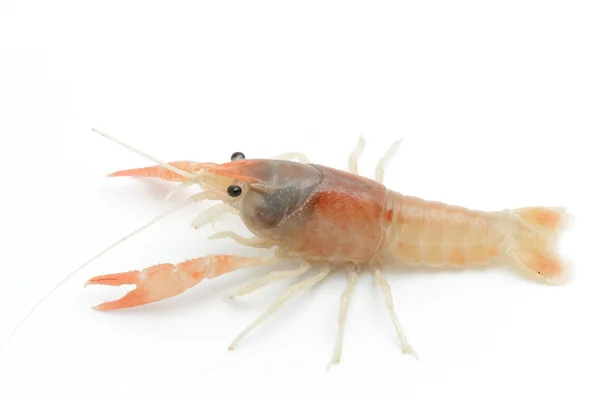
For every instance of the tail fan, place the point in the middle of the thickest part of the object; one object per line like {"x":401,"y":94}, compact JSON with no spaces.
{"x":534,"y":242}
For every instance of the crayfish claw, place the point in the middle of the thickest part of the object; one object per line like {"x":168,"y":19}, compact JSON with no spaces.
{"x":163,"y":281}
{"x":131,"y":299}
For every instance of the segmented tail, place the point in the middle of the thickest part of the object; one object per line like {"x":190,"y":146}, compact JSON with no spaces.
{"x":534,"y":242}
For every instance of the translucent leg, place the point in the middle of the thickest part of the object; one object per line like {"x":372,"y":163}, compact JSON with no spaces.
{"x":212,"y":214}
{"x":303,"y":158}
{"x":337,"y":352}
{"x":195,"y":198}
{"x":353,"y":159}
{"x":389,"y":302}
{"x":270,"y":278}
{"x":252,"y":242}
{"x":292,"y":291}
{"x":385,"y":159}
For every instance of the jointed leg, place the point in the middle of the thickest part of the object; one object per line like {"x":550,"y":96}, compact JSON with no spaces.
{"x":271,"y":277}
{"x":337,"y":352}
{"x":389,"y":302}
{"x":292,"y":291}
{"x":353,"y":159}
{"x":385,"y":159}
{"x":162,"y":281}
{"x":252,"y":242}
{"x":212,"y":214}
{"x":195,"y":198}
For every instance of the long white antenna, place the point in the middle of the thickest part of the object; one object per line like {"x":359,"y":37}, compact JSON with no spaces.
{"x":145,"y":155}
{"x":151,"y":222}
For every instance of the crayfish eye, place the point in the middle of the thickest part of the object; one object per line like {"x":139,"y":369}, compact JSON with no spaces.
{"x":238,"y":156}
{"x":234,"y":191}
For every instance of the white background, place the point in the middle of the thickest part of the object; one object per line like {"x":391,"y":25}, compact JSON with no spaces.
{"x":497,"y":103}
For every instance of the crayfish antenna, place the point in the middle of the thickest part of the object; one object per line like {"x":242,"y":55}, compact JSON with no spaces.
{"x":145,"y":155}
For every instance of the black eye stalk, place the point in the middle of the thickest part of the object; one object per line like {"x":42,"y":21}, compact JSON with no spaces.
{"x":234,"y":190}
{"x":238,"y":156}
